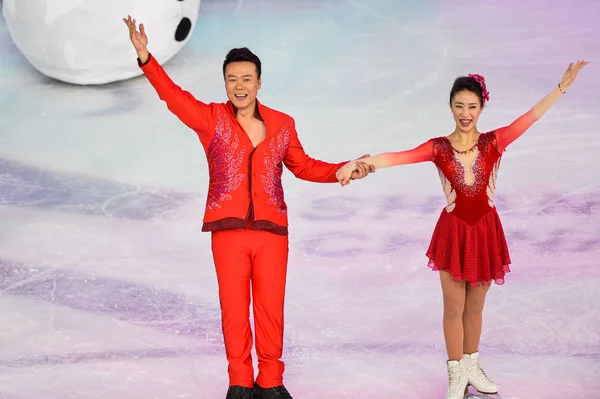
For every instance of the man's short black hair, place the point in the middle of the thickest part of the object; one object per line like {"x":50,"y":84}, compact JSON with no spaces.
{"x":240,"y":55}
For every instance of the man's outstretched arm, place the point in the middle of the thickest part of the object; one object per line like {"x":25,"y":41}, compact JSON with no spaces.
{"x":193,"y":113}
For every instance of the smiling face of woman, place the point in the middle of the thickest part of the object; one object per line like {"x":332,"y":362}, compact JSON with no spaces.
{"x":466,"y":108}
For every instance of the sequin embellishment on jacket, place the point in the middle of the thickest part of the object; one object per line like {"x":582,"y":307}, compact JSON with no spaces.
{"x":223,"y":163}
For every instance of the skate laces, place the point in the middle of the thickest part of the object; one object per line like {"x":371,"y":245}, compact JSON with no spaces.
{"x":477,"y":370}
{"x":455,"y":376}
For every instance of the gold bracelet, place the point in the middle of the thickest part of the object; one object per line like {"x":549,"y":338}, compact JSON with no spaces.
{"x":561,"y":89}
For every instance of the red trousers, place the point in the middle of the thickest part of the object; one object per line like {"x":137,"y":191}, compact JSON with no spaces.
{"x":259,"y":257}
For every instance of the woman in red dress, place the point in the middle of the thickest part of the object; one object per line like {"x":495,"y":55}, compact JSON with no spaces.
{"x":468,"y":242}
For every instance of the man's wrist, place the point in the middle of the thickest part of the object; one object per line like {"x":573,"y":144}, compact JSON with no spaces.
{"x":143,"y":56}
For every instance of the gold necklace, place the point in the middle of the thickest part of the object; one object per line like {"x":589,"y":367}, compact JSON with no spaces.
{"x":469,"y":147}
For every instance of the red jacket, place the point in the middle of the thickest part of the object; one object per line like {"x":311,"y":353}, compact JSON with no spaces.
{"x":245,"y":189}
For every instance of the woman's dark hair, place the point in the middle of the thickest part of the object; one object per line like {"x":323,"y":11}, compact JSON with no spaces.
{"x":240,"y":55}
{"x":470,"y":83}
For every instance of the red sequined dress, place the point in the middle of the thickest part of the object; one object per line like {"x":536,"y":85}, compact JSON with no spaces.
{"x":468,"y":240}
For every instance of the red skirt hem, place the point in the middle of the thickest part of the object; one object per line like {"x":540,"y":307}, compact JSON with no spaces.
{"x":476,"y":253}
{"x":473,"y":283}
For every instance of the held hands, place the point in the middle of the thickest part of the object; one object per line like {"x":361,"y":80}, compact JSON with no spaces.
{"x":354,"y":170}
{"x":571,"y":73}
{"x":138,"y":38}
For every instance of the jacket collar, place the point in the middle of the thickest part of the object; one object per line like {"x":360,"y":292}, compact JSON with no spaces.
{"x":266,"y":114}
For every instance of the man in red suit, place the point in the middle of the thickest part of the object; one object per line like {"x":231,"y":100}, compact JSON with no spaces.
{"x":246,"y":144}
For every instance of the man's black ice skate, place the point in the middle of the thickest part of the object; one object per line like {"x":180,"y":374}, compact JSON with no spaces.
{"x":271,"y":393}
{"x":238,"y":392}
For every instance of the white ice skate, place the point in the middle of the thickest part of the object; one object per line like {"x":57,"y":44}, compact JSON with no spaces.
{"x":457,"y":379}
{"x":476,"y":375}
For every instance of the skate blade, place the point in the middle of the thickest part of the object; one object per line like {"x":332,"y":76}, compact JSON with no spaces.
{"x":482,"y":396}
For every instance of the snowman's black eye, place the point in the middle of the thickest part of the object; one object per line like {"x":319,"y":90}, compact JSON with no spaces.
{"x":183,"y":29}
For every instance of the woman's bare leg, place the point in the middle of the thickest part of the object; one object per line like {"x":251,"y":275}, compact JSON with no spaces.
{"x":454,"y":293}
{"x":473,"y":317}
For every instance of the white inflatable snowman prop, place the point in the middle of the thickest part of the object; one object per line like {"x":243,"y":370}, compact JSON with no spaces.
{"x":86,"y":42}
